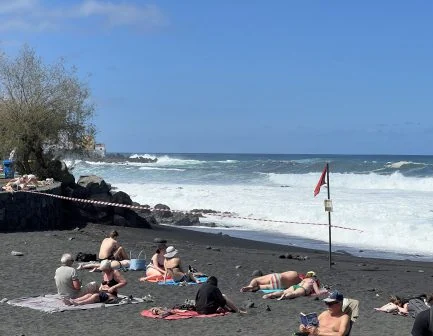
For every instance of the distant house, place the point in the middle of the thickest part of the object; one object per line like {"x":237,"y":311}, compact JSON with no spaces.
{"x":100,"y":149}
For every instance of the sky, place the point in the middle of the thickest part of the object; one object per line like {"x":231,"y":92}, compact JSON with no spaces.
{"x":238,"y":76}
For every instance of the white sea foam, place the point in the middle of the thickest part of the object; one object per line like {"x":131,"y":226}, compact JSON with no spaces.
{"x":394,"y":211}
{"x":388,"y":217}
{"x":158,"y":168}
{"x":399,"y":164}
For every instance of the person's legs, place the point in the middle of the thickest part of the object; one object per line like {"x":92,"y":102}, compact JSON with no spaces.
{"x":232,"y":307}
{"x":273,"y":295}
{"x":261,"y":282}
{"x":86,"y":299}
{"x":291,"y":294}
{"x":120,"y":254}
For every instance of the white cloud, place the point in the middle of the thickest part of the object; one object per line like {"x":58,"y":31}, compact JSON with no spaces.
{"x":35,"y":16}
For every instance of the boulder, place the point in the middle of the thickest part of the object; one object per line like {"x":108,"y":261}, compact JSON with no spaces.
{"x":121,"y":197}
{"x":180,"y":219}
{"x":162,"y":211}
{"x":94,"y":184}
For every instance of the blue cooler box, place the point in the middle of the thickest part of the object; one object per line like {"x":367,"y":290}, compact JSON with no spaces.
{"x":8,"y":169}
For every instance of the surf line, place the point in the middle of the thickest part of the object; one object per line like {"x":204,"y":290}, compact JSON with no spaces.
{"x":216,"y":214}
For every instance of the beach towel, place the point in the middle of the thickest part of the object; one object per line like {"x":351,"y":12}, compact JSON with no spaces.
{"x":177,"y":283}
{"x":178,"y":314}
{"x":52,"y":303}
{"x":156,"y":278}
{"x":321,"y":292}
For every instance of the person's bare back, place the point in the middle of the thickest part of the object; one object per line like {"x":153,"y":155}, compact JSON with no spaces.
{"x":111,"y":250}
{"x":108,"y":246}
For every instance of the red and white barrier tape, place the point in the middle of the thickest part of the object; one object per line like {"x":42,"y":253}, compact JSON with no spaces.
{"x":217,"y":214}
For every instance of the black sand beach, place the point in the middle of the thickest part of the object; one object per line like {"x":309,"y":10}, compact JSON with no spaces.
{"x":370,"y":281}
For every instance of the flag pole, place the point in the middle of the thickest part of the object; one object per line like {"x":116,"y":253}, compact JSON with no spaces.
{"x":329,"y":215}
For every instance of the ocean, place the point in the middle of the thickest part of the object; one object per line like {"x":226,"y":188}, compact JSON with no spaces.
{"x":382,"y":203}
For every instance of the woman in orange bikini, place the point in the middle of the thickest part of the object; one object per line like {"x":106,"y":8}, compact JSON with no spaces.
{"x":306,"y":287}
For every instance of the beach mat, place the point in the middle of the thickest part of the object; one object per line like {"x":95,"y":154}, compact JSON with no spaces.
{"x":157,"y":278}
{"x":52,"y":303}
{"x":178,"y":314}
{"x":177,"y":283}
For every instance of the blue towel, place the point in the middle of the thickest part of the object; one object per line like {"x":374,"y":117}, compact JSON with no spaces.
{"x":177,"y":283}
{"x":271,"y":290}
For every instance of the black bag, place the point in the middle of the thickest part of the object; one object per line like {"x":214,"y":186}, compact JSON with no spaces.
{"x":85,"y":257}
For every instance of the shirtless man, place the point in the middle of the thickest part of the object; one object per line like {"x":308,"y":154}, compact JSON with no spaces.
{"x":273,"y":281}
{"x":332,"y":322}
{"x":111,"y":250}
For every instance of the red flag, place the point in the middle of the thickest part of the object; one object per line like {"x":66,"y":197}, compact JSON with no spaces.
{"x":321,"y":182}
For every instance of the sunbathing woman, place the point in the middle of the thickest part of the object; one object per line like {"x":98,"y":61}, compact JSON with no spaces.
{"x":112,"y":281}
{"x":156,"y":266}
{"x":95,"y":266}
{"x":306,"y":287}
{"x":173,"y":267}
{"x":273,"y":281}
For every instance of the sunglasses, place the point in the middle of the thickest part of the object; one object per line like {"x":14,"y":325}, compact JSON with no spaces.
{"x":331,"y":303}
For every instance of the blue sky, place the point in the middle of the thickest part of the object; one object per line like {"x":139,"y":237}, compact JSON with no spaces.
{"x":242,"y":76}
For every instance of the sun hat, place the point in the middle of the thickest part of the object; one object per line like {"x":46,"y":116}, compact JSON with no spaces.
{"x":170,"y":252}
{"x":334,"y":296}
{"x":311,"y":273}
{"x":105,"y":265}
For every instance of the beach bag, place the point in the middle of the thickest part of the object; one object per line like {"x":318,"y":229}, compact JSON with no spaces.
{"x":137,"y":264}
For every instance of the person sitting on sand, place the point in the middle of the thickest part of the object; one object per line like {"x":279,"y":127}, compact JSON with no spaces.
{"x":67,"y":282}
{"x":111,"y":250}
{"x":210,"y":300}
{"x":156,"y":265}
{"x":332,"y":321}
{"x":173,"y":267}
{"x":307,"y":286}
{"x":112,"y":280}
{"x":273,"y":281}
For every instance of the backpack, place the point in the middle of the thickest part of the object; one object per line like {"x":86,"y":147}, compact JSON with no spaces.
{"x":85,"y":257}
{"x":416,"y":306}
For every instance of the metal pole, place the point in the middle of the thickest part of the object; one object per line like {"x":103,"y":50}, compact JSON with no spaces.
{"x":329,"y":216}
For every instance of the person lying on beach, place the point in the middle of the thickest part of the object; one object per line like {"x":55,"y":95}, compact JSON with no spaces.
{"x":332,"y":321}
{"x":395,"y":304}
{"x":67,"y":282}
{"x":112,"y":280}
{"x":21,"y":183}
{"x":156,"y":265}
{"x":307,"y":286}
{"x":173,"y":267}
{"x":111,"y":250}
{"x":412,"y":306}
{"x":210,"y":300}
{"x":95,"y":266}
{"x":273,"y":281}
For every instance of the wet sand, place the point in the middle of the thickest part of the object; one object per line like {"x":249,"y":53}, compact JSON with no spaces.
{"x":232,"y":260}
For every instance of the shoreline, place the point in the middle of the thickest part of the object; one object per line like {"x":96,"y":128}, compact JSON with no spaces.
{"x":232,"y":260}
{"x":311,"y":244}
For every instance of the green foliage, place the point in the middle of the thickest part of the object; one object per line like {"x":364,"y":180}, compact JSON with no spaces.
{"x":45,"y":109}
